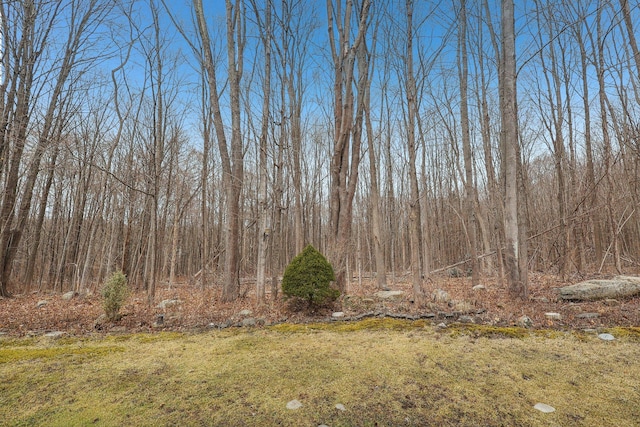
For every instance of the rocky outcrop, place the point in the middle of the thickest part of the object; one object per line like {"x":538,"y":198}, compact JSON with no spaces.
{"x":589,"y":290}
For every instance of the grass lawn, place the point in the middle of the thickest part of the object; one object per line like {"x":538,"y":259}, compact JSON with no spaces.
{"x":384,"y":372}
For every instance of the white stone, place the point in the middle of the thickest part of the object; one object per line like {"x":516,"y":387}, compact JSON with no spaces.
{"x":245,"y":313}
{"x":388,"y":294}
{"x":442,"y":325}
{"x":478,"y":287}
{"x":543,"y":407}
{"x":42,"y":303}
{"x":294,"y":404}
{"x":54,"y":334}
{"x":553,"y":316}
{"x":606,"y":337}
{"x":337,"y":314}
{"x":340,"y":407}
{"x":68,"y":295}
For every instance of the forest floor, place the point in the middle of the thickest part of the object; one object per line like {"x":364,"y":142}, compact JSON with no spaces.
{"x":195,"y":309}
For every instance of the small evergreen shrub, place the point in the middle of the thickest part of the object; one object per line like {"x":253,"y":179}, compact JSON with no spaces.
{"x":309,"y":277}
{"x":114,"y":293}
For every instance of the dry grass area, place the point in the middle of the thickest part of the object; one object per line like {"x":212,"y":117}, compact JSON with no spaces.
{"x":384,"y":371}
{"x":199,"y":308}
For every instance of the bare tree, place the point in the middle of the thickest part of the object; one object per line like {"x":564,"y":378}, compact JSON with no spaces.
{"x":231,"y":154}
{"x":470,"y":217}
{"x":509,"y":116}
{"x":345,"y":158}
{"x":263,"y":214}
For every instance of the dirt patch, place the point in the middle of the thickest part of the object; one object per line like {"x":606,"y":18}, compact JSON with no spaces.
{"x":197,"y":308}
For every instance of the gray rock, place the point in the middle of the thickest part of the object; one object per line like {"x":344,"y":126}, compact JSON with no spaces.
{"x":340,"y":407}
{"x":553,"y":316}
{"x":611,"y":302}
{"x":606,"y":337}
{"x":525,"y":322}
{"x":54,"y":334}
{"x":544,"y":408}
{"x":462,"y":306}
{"x":261,"y":321}
{"x":67,"y":296}
{"x":587,"y":316}
{"x":337,"y":314}
{"x":42,"y":303}
{"x":249,"y":321}
{"x":466,"y":319}
{"x":389,"y":294}
{"x":245,"y":313}
{"x":440,"y":296}
{"x":169,"y":303}
{"x":294,"y":404}
{"x":442,"y":325}
{"x":619,"y":286}
{"x":101,"y":320}
{"x":479,"y":288}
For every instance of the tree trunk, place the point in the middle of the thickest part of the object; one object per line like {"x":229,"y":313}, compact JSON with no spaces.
{"x":510,"y":142}
{"x":470,"y":217}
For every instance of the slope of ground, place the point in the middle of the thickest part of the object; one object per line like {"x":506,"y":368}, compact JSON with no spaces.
{"x":195,"y":309}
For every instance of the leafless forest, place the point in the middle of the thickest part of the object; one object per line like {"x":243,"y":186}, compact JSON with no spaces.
{"x":190,"y":140}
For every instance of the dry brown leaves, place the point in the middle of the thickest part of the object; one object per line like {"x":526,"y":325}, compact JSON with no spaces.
{"x":201,"y":308}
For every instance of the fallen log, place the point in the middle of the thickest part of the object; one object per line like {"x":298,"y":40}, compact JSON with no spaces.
{"x":590,"y":290}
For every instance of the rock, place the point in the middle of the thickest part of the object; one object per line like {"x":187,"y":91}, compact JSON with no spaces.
{"x":294,"y":404}
{"x":67,"y":296}
{"x":169,"y":303}
{"x":454,"y":272}
{"x":340,"y":407}
{"x":606,"y":337}
{"x":368,"y":300}
{"x":249,"y":321}
{"x":159,"y":321}
{"x":440,"y":296}
{"x":442,"y":325}
{"x":42,"y":303}
{"x":544,"y":408}
{"x":224,"y":325}
{"x":101,"y":320}
{"x":466,"y":319}
{"x":245,"y":313}
{"x":619,"y":286}
{"x":388,"y":294}
{"x":54,"y":334}
{"x":553,"y":316}
{"x":587,"y":316}
{"x":337,"y":315}
{"x":479,"y":288}
{"x":525,"y":322}
{"x":261,"y":321}
{"x":611,"y":302}
{"x":462,"y":306}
